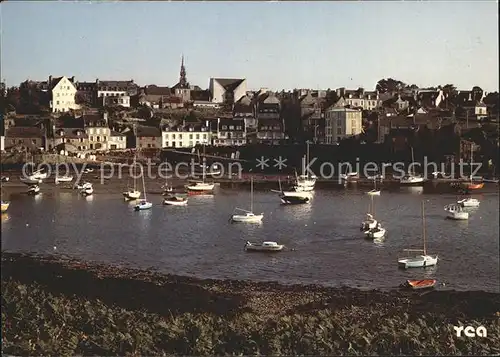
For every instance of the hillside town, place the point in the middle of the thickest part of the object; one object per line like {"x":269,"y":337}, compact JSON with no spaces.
{"x":63,"y":114}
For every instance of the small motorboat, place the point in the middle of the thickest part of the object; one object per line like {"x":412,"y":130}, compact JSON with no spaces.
{"x":84,"y":185}
{"x":373,"y":192}
{"x":132,"y":194}
{"x":263,"y":247}
{"x":30,"y":180}
{"x":88,"y":170}
{"x":39,"y":175}
{"x":419,"y":284}
{"x":5,"y":179}
{"x":64,"y":178}
{"x":411,"y":179}
{"x":5,"y":206}
{"x":469,"y":202}
{"x":375,"y":233}
{"x":175,"y":201}
{"x":456,"y":212}
{"x":34,"y":190}
{"x":87,"y":190}
{"x":294,"y":200}
{"x":369,"y":223}
{"x":143,"y":205}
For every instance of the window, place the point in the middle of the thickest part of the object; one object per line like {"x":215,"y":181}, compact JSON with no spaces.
{"x":173,"y":136}
{"x":197,"y":136}
{"x":204,"y":136}
{"x":339,"y":131}
{"x":57,"y":102}
{"x":98,"y":138}
{"x":191,"y":143}
{"x":339,"y":122}
{"x":238,"y":127}
{"x":231,"y":127}
{"x":180,"y":144}
{"x":180,"y":136}
{"x":224,"y":127}
{"x":190,"y":136}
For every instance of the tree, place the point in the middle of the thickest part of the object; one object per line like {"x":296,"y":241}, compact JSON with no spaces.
{"x":390,"y":85}
{"x":477,"y":93}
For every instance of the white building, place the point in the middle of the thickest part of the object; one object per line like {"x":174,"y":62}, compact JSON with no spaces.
{"x":115,"y":92}
{"x":117,"y":141}
{"x":186,"y":137}
{"x":359,"y":98}
{"x":63,"y":94}
{"x":341,"y":123}
{"x":97,"y":131}
{"x":2,"y":143}
{"x":224,"y":90}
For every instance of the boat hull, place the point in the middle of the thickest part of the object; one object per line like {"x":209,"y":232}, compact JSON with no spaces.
{"x":420,"y":284}
{"x":412,"y":182}
{"x":458,"y":216}
{"x":143,"y":206}
{"x":421,"y":261}
{"x":473,"y":186}
{"x":132,"y":195}
{"x":256,"y":218}
{"x":30,"y":180}
{"x":373,"y":193}
{"x":175,"y":203}
{"x":294,"y":200}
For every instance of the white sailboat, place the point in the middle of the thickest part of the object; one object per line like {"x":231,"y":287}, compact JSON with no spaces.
{"x":248,"y":216}
{"x":305,"y":182}
{"x":456,"y":212}
{"x":166,"y":188}
{"x":133,"y":194}
{"x":263,"y":247}
{"x":419,"y":261}
{"x":374,"y":192}
{"x":293,"y":197}
{"x":469,"y":202}
{"x":411,"y":178}
{"x":143,"y":204}
{"x":370,"y":222}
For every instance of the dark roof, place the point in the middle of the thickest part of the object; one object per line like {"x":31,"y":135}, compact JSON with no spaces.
{"x":148,"y":131}
{"x":115,"y":85}
{"x":86,"y":86}
{"x":235,"y":122}
{"x":24,"y":132}
{"x":184,"y":128}
{"x":269,"y":122}
{"x":229,"y":84}
{"x":94,"y":120}
{"x":155,"y":90}
{"x":115,"y":133}
{"x":200,"y":95}
{"x":71,"y":133}
{"x":70,"y":122}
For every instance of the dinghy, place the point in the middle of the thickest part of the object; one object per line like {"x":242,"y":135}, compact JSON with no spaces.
{"x":456,"y":212}
{"x":469,"y":202}
{"x":419,"y":284}
{"x":263,"y":247}
{"x":175,"y":200}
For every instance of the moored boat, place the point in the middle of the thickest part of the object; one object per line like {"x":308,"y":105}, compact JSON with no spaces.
{"x":5,"y":206}
{"x":456,"y":212}
{"x":30,"y":180}
{"x":64,"y":178}
{"x":174,"y":200}
{"x":419,"y":284}
{"x":264,"y":247}
{"x":87,"y":190}
{"x":376,"y":233}
{"x":422,"y":260}
{"x":33,"y":190}
{"x":469,"y":202}
{"x":143,"y":205}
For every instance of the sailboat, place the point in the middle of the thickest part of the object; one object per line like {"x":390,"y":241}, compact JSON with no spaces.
{"x":305,"y":182}
{"x":472,"y":185}
{"x":166,"y":188}
{"x":143,"y":204}
{"x":200,"y":188}
{"x":292,"y":197}
{"x":419,"y":261}
{"x":370,"y":222}
{"x":248,"y":216}
{"x":374,"y":192}
{"x":411,"y":178}
{"x":133,"y":194}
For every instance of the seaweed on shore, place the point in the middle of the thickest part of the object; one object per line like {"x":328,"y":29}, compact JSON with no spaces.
{"x":46,"y":312}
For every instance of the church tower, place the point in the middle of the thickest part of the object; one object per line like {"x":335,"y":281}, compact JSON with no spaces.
{"x":183,"y":83}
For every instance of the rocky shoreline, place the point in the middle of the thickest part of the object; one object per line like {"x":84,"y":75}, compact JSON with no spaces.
{"x":207,"y":317}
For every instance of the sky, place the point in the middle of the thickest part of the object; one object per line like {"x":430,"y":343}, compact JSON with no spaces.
{"x":275,"y":45}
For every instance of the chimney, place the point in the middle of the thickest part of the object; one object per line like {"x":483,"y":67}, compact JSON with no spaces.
{"x":50,"y":81}
{"x":72,"y":79}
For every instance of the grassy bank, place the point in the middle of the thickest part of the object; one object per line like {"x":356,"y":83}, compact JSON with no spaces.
{"x":56,"y":307}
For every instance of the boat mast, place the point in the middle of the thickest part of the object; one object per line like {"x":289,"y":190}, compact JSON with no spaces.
{"x":471,"y":160}
{"x":203,"y":163}
{"x":251,"y":194}
{"x":143,"y":184}
{"x":412,"y":160}
{"x":307,"y":158}
{"x":423,"y":228}
{"x":135,"y":159}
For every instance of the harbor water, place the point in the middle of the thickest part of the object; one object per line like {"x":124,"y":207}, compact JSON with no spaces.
{"x":323,"y":239}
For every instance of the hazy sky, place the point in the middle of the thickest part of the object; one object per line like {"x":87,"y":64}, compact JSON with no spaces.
{"x":278,"y":45}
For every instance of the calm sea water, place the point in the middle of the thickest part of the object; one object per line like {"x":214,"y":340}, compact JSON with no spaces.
{"x":327,"y":245}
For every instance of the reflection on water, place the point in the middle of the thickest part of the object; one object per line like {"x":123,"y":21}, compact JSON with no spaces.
{"x":415,"y":190}
{"x":328,"y":246}
{"x":38,"y":198}
{"x":89,"y":198}
{"x":5,"y":217}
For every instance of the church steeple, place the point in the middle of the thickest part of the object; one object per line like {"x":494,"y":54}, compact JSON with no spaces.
{"x":182,"y":79}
